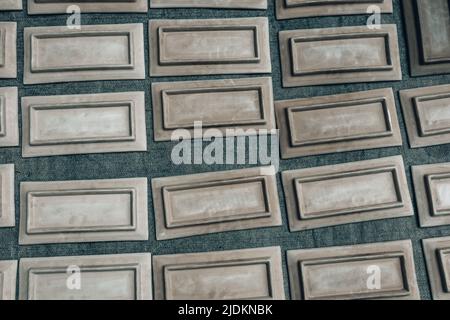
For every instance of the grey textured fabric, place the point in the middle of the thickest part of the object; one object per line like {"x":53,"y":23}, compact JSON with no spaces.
{"x":156,"y":162}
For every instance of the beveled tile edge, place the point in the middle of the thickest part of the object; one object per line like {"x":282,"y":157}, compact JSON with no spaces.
{"x":296,"y":224}
{"x":227,"y":4}
{"x":98,"y":7}
{"x":9,"y":69}
{"x":261,"y":25}
{"x":164,"y":233}
{"x":304,"y":11}
{"x":264,"y":84}
{"x":7,"y":214}
{"x":432,"y":248}
{"x":10,"y":134}
{"x":324,"y":78}
{"x":288,"y":151}
{"x":143,"y":259}
{"x":421,"y":188}
{"x":139,"y":233}
{"x":137,"y":145}
{"x":407,"y":98}
{"x":137,"y":72}
{"x":272,"y":254}
{"x":404,"y":246}
{"x":8,"y":273}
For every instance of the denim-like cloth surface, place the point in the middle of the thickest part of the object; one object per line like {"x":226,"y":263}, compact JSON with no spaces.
{"x":157,"y":162}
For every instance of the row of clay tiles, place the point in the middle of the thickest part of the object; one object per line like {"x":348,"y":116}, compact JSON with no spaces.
{"x":239,"y":274}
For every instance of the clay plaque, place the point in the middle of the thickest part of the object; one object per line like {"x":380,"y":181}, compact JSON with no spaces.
{"x":76,"y":124}
{"x":347,"y":193}
{"x":245,"y":104}
{"x":432,"y":188}
{"x":339,"y":55}
{"x":215,"y":202}
{"x":427,"y":115}
{"x":58,"y":54}
{"x":83,"y":211}
{"x":226,"y":275}
{"x":209,"y":46}
{"x":106,"y":277}
{"x":346,"y":122}
{"x":342,"y":273}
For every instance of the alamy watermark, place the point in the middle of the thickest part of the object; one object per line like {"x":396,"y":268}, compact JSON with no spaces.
{"x":374,"y":20}
{"x":225,"y":147}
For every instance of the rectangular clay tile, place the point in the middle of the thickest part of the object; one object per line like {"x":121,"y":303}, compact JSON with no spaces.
{"x":58,"y":54}
{"x":78,"y":124}
{"x":427,"y":115}
{"x":215,"y":202}
{"x":351,"y":272}
{"x":347,"y":193}
{"x":209,"y":46}
{"x":339,"y":55}
{"x":244,"y":105}
{"x":338,"y":123}
{"x":83,"y":211}
{"x":103,"y":277}
{"x":222,"y":275}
